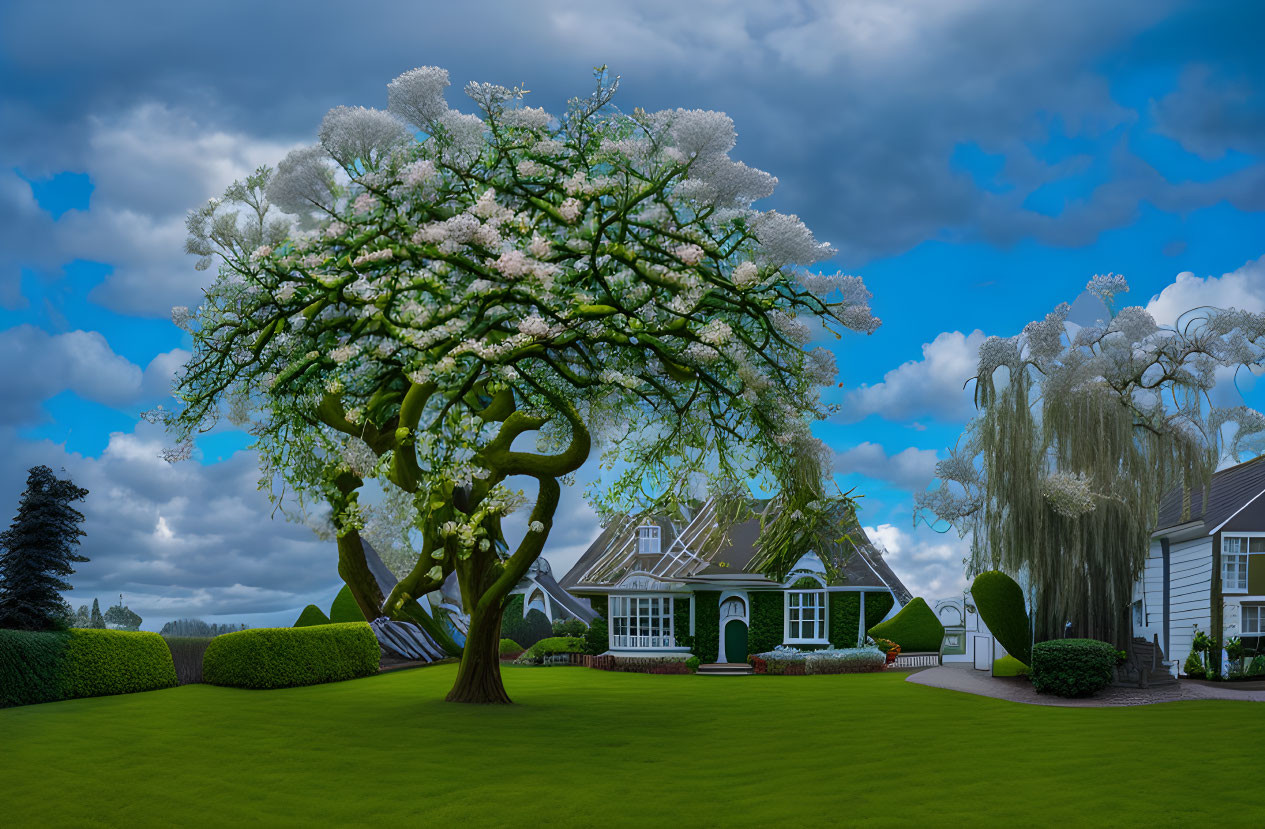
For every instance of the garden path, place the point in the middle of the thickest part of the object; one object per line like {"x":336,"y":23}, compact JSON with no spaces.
{"x":964,"y":678}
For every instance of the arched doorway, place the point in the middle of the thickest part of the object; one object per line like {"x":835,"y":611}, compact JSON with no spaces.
{"x":733,"y":623}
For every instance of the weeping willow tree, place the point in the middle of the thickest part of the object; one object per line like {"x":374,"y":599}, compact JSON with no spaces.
{"x":1081,"y":431}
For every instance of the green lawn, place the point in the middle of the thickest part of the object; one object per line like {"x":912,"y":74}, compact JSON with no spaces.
{"x":590,"y":748}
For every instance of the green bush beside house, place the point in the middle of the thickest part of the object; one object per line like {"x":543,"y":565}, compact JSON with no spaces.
{"x":311,"y":615}
{"x":344,"y":608}
{"x":1073,"y":667}
{"x":999,"y":599}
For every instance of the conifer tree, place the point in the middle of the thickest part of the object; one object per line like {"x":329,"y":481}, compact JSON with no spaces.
{"x":97,"y":620}
{"x":38,"y":551}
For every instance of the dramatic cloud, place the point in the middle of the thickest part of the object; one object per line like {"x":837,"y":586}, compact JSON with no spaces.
{"x":38,"y":365}
{"x":930,"y":387}
{"x":181,"y":539}
{"x":929,"y":563}
{"x":1210,"y":116}
{"x":911,"y":468}
{"x":1243,"y":288}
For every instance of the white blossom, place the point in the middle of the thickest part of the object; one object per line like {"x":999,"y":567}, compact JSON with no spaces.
{"x":418,"y":95}
{"x":526,"y":117}
{"x":746,"y":275}
{"x":785,"y":240}
{"x":536,"y":527}
{"x":569,"y":210}
{"x":689,"y":254}
{"x":352,"y":134}
{"x":182,"y":317}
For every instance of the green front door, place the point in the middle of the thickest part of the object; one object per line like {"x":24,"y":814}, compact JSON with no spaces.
{"x":736,"y":641}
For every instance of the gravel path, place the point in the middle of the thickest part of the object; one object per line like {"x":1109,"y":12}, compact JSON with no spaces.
{"x":962,"y":677}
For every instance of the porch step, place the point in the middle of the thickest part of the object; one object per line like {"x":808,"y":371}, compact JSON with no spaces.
{"x":725,"y":669}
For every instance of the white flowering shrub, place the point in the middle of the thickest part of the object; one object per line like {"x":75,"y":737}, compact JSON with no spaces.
{"x":599,"y":278}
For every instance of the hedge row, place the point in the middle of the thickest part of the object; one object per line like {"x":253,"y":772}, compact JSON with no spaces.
{"x":834,"y":661}
{"x":289,"y":657}
{"x":845,"y":619}
{"x":555,"y":644}
{"x":47,"y":666}
{"x":706,"y":644}
{"x":767,"y":614}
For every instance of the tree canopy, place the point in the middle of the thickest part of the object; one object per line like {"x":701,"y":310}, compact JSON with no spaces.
{"x":1082,"y":429}
{"x":597,"y":278}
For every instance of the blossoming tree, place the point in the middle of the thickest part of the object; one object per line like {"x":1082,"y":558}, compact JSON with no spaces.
{"x":432,"y":299}
{"x":1081,"y":432}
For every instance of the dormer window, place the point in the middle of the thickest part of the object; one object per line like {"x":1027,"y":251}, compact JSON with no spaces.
{"x":648,"y":540}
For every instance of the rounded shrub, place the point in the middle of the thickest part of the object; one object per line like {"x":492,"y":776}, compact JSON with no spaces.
{"x":525,"y":630}
{"x":344,"y":608}
{"x":289,"y":657}
{"x":999,"y":599}
{"x":311,"y":615}
{"x":1073,"y":667}
{"x":915,"y":628}
{"x":569,"y":627}
{"x":555,"y":644}
{"x":510,"y":649}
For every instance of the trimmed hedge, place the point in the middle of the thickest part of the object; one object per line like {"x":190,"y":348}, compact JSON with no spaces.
{"x":186,"y":653}
{"x":1073,"y":667}
{"x":916,"y":628}
{"x":311,"y":615}
{"x":47,"y":666}
{"x":289,"y":657}
{"x":706,"y":625}
{"x":597,"y":637}
{"x":510,"y":649}
{"x":844,"y":619}
{"x":794,"y":662}
{"x":767,"y":613}
{"x":345,"y":609}
{"x":999,"y":599}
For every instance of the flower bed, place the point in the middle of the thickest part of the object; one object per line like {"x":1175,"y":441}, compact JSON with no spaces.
{"x":794,"y":662}
{"x":640,"y":664}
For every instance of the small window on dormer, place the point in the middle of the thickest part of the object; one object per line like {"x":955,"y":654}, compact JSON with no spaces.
{"x":648,"y":540}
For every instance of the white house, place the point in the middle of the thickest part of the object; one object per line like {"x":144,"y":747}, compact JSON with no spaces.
{"x":1206,"y":568}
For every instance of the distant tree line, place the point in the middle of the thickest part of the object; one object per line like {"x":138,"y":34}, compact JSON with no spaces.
{"x":197,"y":627}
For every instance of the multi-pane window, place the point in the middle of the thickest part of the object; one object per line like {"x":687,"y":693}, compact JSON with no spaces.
{"x":1253,"y":621}
{"x":1234,"y":552}
{"x":641,"y":622}
{"x":805,"y":615}
{"x":648,"y":540}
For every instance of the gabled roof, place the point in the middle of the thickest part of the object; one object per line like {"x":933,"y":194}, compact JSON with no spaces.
{"x":695,"y":549}
{"x":1231,"y":489}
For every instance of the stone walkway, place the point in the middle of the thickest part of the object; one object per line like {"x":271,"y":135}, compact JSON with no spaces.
{"x":962,"y":677}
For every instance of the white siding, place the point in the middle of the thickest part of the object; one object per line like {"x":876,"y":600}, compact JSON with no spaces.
{"x":1190,"y":575}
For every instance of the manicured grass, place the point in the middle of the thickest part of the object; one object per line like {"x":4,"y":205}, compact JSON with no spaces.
{"x":590,"y":748}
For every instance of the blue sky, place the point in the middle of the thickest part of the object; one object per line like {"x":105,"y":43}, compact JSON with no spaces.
{"x":976,"y":162}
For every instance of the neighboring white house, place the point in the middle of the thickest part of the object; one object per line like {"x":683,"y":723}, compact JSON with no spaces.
{"x":1205,"y":564}
{"x":965,"y":634}
{"x":686,"y":585}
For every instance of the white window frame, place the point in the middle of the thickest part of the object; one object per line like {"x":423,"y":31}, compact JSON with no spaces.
{"x":641,"y":622}
{"x":793,"y":602}
{"x":1235,"y":564}
{"x":649,"y":540}
{"x":1259,"y":612}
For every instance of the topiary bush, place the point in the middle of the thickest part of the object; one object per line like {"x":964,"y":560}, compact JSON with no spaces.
{"x":289,"y":657}
{"x":597,"y":637}
{"x":1009,"y":666}
{"x":311,"y":615}
{"x":877,"y":606}
{"x":1073,"y":667}
{"x":999,"y":600}
{"x":915,"y":628}
{"x":89,"y":662}
{"x":510,"y":649}
{"x":344,"y":608}
{"x":706,"y":645}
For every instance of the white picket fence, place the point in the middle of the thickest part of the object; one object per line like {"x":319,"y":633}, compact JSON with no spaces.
{"x":917,"y":660}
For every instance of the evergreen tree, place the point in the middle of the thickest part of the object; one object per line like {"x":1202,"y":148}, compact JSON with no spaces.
{"x":37,"y":551}
{"x":83,"y":617}
{"x":97,"y":620}
{"x":121,"y":617}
